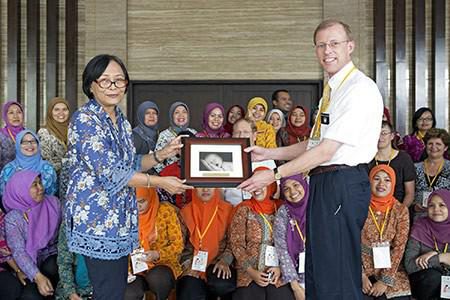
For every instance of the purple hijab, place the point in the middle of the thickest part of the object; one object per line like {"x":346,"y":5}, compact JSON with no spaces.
{"x":208,"y":130}
{"x":296,"y":211}
{"x":43,"y":217}
{"x":13,"y":129}
{"x":424,"y":228}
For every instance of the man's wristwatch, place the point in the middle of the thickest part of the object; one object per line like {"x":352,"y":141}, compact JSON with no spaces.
{"x":277,"y":174}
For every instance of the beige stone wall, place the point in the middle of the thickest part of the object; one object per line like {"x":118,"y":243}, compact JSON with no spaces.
{"x":214,"y":39}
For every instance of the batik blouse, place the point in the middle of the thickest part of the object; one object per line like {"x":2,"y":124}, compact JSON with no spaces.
{"x":101,"y":209}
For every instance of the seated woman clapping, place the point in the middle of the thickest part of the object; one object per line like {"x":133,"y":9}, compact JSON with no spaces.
{"x":290,"y":232}
{"x":31,"y":225}
{"x":383,"y":240}
{"x":251,"y":239}
{"x":426,"y":257}
{"x":161,"y":245}
{"x":206,"y":258}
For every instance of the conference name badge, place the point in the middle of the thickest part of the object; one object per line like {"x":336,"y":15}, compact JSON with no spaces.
{"x":425,"y":196}
{"x":312,"y":142}
{"x":200,"y":261}
{"x":301,"y":262}
{"x":271,"y":257}
{"x":381,"y":255}
{"x":138,"y":263}
{"x":445,"y":287}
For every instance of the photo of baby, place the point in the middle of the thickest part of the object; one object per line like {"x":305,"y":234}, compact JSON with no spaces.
{"x":216,"y":161}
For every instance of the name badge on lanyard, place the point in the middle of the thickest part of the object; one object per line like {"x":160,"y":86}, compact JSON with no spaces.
{"x":325,"y":118}
{"x":381,"y":255}
{"x":312,"y":142}
{"x":445,"y":287}
{"x":138,"y":261}
{"x":200,"y":261}
{"x":271,"y":257}
{"x":301,"y":262}
{"x":425,"y":196}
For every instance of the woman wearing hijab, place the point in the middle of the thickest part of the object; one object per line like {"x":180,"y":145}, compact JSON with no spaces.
{"x":179,"y":117}
{"x":161,"y":240}
{"x":275,"y":117}
{"x":13,"y":116}
{"x":32,"y":223}
{"x":234,"y":113}
{"x":53,"y":137}
{"x":256,"y":110}
{"x":145,"y":134}
{"x":385,"y":231}
{"x":206,"y":259}
{"x":251,"y":239}
{"x":28,"y":157}
{"x":290,"y":232}
{"x":426,"y":257}
{"x":212,"y":123}
{"x":297,"y":129}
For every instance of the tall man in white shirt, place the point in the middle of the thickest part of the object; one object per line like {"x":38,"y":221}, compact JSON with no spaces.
{"x":343,"y":140}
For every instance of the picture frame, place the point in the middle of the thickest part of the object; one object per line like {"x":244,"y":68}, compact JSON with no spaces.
{"x":214,"y":162}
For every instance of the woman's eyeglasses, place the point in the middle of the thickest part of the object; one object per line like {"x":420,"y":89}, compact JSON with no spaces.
{"x":106,"y":83}
{"x":32,"y":142}
{"x":425,"y":119}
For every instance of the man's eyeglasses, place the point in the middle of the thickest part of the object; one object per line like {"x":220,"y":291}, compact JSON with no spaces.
{"x":106,"y":83}
{"x":33,"y":142}
{"x":332,"y":45}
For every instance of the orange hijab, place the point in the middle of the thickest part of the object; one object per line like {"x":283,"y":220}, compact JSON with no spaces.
{"x":267,"y":206}
{"x":147,"y":220}
{"x":384,"y":203}
{"x":197,"y":215}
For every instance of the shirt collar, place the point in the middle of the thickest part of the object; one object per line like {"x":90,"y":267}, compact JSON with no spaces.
{"x":337,"y":78}
{"x":98,"y":109}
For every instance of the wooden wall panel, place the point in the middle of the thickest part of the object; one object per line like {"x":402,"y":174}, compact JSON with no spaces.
{"x":71,"y":50}
{"x":420,"y":56}
{"x":440,"y":65}
{"x":401,"y":67}
{"x":13,"y":46}
{"x":33,"y":60}
{"x":51,"y":81}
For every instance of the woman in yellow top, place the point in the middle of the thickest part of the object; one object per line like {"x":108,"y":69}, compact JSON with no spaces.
{"x":256,"y":110}
{"x":160,"y":236}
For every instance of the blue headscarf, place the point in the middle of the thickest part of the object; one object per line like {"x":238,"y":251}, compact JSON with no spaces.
{"x":147,"y":133}
{"x":172,"y":108}
{"x":23,"y":162}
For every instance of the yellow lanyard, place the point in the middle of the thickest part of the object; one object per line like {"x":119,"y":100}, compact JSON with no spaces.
{"x":300,"y":233}
{"x":10,"y":134}
{"x":266,"y":221}
{"x":201,"y":235}
{"x":380,"y":230}
{"x":390,"y":158}
{"x":435,"y":176}
{"x":326,"y":99}
{"x":437,"y":248}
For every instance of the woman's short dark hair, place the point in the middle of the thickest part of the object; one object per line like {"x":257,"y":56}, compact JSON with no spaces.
{"x":437,"y":133}
{"x":417,"y":116}
{"x":95,"y":68}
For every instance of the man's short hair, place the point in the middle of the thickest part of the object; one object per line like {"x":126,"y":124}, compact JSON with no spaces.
{"x":331,"y":22}
{"x":249,"y":121}
{"x":275,"y":94}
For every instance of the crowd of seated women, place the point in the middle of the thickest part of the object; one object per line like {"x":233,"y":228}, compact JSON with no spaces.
{"x":224,"y":242}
